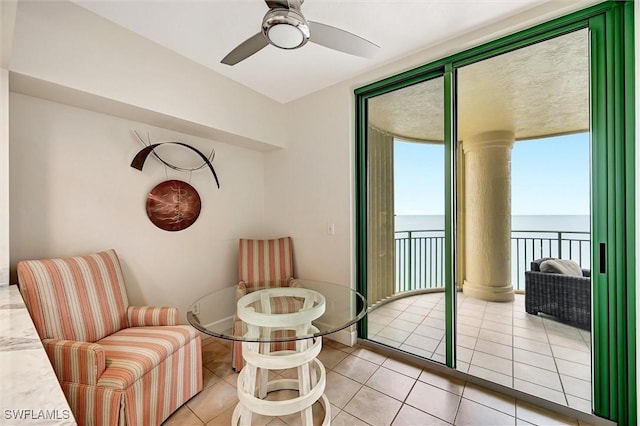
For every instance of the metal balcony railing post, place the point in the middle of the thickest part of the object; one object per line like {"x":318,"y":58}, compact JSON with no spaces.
{"x":559,"y":245}
{"x":410,"y":250}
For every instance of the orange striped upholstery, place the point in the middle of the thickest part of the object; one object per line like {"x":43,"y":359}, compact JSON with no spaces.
{"x":143,"y":316}
{"x":262,"y":261}
{"x":117,"y":364}
{"x":79,"y":298}
{"x":102,"y":403}
{"x":264,"y":264}
{"x":79,"y":362}
{"x":134,"y":351}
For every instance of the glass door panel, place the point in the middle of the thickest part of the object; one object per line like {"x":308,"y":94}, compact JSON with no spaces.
{"x":523,"y":198}
{"x":406,"y":219}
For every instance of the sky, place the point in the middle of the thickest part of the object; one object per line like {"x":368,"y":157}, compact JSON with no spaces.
{"x":548,"y":177}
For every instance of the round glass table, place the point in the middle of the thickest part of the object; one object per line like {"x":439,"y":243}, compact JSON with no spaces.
{"x":278,"y":328}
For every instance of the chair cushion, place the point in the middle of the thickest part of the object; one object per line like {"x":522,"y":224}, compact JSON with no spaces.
{"x":265,"y":260}
{"x":561,"y":266}
{"x":132,"y":352}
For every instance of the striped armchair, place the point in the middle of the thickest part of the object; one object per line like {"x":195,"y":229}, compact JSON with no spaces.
{"x":117,"y":364}
{"x":264,"y":264}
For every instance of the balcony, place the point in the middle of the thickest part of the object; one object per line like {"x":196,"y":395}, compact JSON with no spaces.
{"x":497,"y":341}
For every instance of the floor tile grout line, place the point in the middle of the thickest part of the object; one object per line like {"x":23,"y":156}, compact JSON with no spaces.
{"x":355,"y":393}
{"x":564,"y":393}
{"x":458,"y":406}
{"x":197,"y":417}
{"x":488,"y":406}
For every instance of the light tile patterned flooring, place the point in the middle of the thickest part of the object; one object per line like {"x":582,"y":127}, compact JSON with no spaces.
{"x":499,"y":342}
{"x":366,"y":388}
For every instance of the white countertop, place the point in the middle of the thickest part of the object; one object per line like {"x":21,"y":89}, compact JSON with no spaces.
{"x":29,"y":390}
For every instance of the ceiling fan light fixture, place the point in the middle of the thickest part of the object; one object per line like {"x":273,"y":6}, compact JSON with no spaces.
{"x":285,"y":36}
{"x":285,"y":28}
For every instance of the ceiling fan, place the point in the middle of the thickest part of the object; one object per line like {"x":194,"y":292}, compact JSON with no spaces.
{"x":285,"y":27}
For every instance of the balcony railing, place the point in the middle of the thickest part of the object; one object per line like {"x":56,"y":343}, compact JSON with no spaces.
{"x":420,"y":255}
{"x":419,"y":260}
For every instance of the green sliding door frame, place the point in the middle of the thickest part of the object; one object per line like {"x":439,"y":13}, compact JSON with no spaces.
{"x":613,"y":189}
{"x":450,"y":189}
{"x":613,"y":227}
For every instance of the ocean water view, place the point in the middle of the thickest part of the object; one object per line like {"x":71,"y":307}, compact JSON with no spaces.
{"x":420,"y":246}
{"x":569,"y":223}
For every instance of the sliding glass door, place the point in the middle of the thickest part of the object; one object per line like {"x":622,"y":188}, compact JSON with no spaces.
{"x":441,"y":255}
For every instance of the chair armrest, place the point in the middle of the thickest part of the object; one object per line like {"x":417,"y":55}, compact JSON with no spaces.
{"x":553,"y":278}
{"x":76,"y":362}
{"x":586,"y":272}
{"x":145,"y":316}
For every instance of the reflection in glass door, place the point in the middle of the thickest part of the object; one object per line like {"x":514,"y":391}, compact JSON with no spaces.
{"x":406,"y":219}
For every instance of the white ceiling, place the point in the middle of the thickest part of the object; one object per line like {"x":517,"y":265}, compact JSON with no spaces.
{"x":206,"y":30}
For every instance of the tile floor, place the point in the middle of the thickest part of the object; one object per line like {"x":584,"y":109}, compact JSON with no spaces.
{"x":499,"y":342}
{"x":366,"y":388}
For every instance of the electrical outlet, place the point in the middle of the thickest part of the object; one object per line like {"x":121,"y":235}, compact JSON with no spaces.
{"x":195,"y":309}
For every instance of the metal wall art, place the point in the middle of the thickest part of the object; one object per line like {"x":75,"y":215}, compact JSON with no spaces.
{"x":141,"y":157}
{"x":172,"y":205}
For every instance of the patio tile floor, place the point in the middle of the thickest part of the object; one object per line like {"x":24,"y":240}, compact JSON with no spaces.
{"x":499,"y":342}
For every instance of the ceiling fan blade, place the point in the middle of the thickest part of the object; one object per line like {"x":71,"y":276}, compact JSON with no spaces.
{"x":245,"y":49}
{"x":344,"y":41}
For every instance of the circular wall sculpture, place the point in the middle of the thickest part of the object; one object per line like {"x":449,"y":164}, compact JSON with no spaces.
{"x":173,"y":205}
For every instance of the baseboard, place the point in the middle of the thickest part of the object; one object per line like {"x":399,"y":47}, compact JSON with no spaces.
{"x":346,"y":337}
{"x":222,"y":326}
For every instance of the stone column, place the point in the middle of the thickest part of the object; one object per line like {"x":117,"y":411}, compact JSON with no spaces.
{"x":488,"y":216}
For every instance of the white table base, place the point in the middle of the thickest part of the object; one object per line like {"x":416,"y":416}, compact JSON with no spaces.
{"x":253,"y":382}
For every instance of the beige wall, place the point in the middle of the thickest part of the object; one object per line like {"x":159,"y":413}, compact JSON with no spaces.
{"x":65,"y":44}
{"x":309,"y":184}
{"x":73,"y":192}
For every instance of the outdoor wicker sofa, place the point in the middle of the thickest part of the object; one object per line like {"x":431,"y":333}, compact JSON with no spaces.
{"x":565,"y":297}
